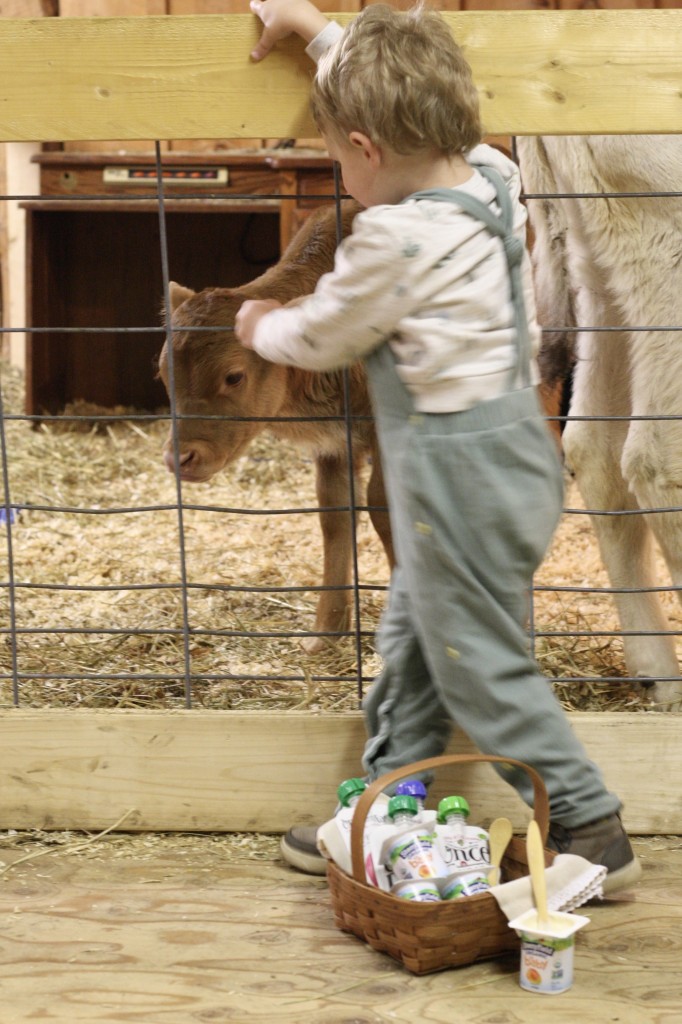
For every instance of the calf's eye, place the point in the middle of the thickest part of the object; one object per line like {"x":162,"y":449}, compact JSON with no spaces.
{"x":232,"y":379}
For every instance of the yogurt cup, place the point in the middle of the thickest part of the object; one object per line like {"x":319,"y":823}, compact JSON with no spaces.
{"x":463,"y":883}
{"x":547,"y":950}
{"x":419,"y":892}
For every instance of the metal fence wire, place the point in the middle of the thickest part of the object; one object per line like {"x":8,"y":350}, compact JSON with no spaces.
{"x":212,"y":641}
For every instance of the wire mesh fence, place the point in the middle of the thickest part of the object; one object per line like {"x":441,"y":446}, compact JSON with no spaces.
{"x":124,"y":586}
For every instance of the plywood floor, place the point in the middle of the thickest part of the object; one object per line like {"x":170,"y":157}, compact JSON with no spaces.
{"x":166,"y":931}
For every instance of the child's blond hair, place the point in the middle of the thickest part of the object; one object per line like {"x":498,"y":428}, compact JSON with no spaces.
{"x":402,"y":80}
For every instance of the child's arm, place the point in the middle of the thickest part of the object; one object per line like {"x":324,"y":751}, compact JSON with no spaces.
{"x":281,"y":18}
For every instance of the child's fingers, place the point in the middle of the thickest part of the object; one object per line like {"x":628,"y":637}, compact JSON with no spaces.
{"x":261,"y":50}
{"x":267,"y":39}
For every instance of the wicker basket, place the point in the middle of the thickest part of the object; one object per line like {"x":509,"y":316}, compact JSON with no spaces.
{"x":426,"y":937}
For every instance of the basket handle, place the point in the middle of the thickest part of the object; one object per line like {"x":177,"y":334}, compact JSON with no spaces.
{"x":362,"y":808}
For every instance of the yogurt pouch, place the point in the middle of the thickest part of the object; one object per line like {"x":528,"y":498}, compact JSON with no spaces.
{"x":463,"y":849}
{"x":333,"y":838}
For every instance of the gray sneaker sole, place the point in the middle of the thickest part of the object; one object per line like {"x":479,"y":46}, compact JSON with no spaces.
{"x":310,"y":863}
{"x":623,"y":877}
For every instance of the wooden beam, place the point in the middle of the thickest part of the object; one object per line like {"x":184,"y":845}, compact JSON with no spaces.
{"x":552,"y":72}
{"x":235,"y":771}
{"x":4,"y":273}
{"x":21,"y":178}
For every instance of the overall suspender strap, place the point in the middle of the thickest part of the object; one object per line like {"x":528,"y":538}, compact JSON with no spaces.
{"x":513,"y":249}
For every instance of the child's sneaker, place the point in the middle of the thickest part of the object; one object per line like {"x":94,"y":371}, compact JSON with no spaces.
{"x":299,"y":848}
{"x":601,"y":842}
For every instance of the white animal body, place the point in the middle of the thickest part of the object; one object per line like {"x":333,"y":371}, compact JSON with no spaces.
{"x":617,"y":263}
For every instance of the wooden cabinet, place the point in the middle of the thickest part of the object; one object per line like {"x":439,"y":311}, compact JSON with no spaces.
{"x":94,"y":257}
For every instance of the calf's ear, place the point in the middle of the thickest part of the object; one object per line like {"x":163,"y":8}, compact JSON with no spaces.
{"x":178,"y":294}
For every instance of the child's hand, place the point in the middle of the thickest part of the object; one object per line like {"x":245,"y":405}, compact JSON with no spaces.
{"x":249,"y":316}
{"x":283,"y":17}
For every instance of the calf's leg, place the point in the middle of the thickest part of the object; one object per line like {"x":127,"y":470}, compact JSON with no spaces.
{"x":333,"y":606}
{"x":377,"y":503}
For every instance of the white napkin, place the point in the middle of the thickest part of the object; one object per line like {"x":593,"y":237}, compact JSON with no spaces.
{"x":571,"y":881}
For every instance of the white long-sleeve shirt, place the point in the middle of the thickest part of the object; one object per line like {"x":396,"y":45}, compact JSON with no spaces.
{"x":428,"y":279}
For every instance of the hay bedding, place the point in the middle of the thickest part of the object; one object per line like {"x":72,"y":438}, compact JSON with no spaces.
{"x":117,"y":464}
{"x":205,"y":851}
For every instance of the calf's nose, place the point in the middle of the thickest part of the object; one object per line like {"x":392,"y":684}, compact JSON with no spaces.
{"x":186,"y":458}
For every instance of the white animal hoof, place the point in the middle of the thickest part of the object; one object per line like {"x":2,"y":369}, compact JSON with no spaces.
{"x":316,"y":644}
{"x":664,"y":696}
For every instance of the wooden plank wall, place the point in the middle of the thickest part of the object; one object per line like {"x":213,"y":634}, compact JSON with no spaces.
{"x":259,"y":771}
{"x":228,"y":770}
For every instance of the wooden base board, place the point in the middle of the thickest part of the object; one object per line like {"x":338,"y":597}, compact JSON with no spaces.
{"x":234,"y":771}
{"x":171,"y":932}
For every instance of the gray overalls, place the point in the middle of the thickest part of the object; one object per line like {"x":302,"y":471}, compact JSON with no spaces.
{"x":474,"y":499}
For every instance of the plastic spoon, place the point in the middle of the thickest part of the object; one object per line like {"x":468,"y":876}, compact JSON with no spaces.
{"x":500,"y":832}
{"x":536,"y":863}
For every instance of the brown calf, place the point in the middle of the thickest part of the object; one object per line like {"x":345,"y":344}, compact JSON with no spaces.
{"x":215,"y":376}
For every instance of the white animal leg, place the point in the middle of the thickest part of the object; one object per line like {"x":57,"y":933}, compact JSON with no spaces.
{"x":652,"y":457}
{"x":621,"y":260}
{"x":593,"y":453}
